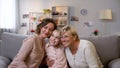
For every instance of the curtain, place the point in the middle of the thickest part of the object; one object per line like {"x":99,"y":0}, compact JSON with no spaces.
{"x":8,"y":15}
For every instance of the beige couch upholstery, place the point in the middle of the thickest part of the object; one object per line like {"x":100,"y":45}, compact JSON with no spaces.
{"x":108,"y":48}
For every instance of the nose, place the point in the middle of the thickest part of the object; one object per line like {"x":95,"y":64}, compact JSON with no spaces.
{"x":47,"y":30}
{"x":53,"y":38}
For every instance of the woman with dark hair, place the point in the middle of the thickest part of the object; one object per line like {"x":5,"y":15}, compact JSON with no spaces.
{"x":32,"y":51}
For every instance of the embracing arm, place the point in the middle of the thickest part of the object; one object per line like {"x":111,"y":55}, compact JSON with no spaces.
{"x":91,"y":56}
{"x":19,"y":60}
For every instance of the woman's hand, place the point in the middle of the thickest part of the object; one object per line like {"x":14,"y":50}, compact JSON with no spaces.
{"x":50,"y":62}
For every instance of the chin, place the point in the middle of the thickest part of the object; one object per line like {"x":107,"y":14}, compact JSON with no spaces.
{"x":65,"y":45}
{"x":52,"y":44}
{"x":46,"y":36}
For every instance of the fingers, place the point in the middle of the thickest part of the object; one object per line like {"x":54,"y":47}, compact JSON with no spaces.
{"x":50,"y":62}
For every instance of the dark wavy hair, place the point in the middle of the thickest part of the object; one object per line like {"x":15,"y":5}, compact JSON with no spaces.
{"x":43,"y":23}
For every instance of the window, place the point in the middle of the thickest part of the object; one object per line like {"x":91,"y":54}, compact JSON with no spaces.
{"x":7,"y":14}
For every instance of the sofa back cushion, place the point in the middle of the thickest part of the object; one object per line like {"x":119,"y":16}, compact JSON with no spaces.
{"x":11,"y":43}
{"x":106,"y":46}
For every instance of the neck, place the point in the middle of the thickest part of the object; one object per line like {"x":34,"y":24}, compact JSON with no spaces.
{"x":74,"y":47}
{"x":41,"y":37}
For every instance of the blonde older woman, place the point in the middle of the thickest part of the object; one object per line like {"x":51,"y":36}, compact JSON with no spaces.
{"x":80,"y":53}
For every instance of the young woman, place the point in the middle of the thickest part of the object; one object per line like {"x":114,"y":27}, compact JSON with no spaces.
{"x":55,"y":51}
{"x":80,"y":53}
{"x":32,"y":51}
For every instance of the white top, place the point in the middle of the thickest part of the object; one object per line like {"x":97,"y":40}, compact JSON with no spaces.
{"x":85,"y":57}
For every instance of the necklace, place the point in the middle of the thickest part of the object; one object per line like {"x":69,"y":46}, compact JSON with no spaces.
{"x":74,"y":61}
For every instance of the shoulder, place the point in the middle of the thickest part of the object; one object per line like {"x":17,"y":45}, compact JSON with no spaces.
{"x":30,"y":39}
{"x":86,"y":43}
{"x":48,"y":46}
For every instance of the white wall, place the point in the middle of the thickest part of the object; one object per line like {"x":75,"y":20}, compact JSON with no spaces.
{"x":93,"y":7}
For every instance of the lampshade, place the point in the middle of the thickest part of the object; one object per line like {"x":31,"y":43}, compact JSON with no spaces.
{"x":105,"y":14}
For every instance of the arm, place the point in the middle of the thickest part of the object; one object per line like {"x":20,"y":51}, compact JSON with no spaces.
{"x":19,"y":60}
{"x":91,"y":56}
{"x":0,"y":46}
{"x":49,"y":62}
{"x":48,"y":49}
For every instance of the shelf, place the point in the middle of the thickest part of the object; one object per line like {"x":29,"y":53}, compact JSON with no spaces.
{"x":60,"y":14}
{"x":34,"y":19}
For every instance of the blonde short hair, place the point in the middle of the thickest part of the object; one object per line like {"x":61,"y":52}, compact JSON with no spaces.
{"x":72,"y":31}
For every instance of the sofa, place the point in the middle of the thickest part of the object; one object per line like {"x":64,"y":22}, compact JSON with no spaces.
{"x":108,"y":48}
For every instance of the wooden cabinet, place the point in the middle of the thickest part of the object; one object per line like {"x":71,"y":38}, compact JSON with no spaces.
{"x":61,"y":15}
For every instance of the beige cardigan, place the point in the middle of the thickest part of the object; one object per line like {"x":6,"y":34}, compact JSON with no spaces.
{"x":30,"y":55}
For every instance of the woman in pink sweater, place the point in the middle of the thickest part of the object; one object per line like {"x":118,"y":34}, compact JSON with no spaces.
{"x":32,"y":51}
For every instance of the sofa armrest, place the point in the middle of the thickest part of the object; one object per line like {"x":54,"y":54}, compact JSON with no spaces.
{"x":0,"y":46}
{"x":114,"y":63}
{"x":4,"y":62}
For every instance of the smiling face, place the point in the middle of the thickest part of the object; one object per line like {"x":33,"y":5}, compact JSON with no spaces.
{"x":55,"y":38}
{"x":67,"y":38}
{"x":47,"y":30}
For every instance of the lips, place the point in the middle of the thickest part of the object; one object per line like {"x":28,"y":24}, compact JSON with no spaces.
{"x":64,"y":42}
{"x":46,"y":34}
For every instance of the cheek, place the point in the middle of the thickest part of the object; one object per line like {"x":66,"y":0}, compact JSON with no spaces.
{"x":66,"y":42}
{"x":62,"y":39}
{"x":50,"y":33}
{"x":50,"y":39}
{"x":57,"y":41}
{"x":65,"y":45}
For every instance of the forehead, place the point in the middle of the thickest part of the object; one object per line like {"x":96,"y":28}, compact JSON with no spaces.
{"x":51,"y":25}
{"x":66,"y":33}
{"x":56,"y":32}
